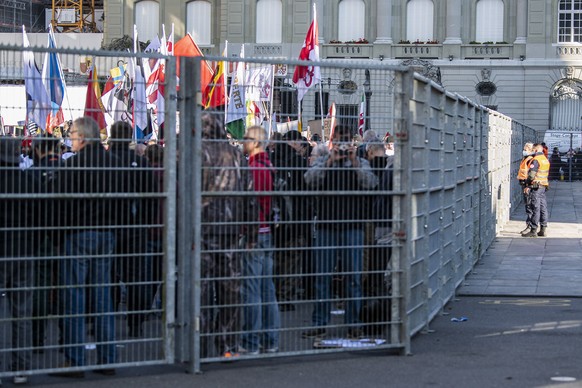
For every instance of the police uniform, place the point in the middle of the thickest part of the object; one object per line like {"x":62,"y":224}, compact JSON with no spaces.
{"x":522,"y":178}
{"x":537,"y":182}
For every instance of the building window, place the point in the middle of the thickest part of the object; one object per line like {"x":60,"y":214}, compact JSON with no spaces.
{"x":419,"y":20}
{"x":269,"y":21}
{"x":570,"y":21}
{"x":199,"y":21}
{"x":147,"y":19}
{"x":352,"y":20}
{"x":489,"y":26}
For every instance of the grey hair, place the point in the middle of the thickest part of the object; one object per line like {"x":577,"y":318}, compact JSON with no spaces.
{"x":320,"y":150}
{"x":371,"y":147}
{"x":369,"y":135}
{"x":88,"y":128}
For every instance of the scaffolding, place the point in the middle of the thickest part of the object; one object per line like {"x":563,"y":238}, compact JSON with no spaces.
{"x":74,"y":16}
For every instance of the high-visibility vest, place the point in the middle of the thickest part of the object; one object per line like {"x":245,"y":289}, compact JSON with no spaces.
{"x":524,"y":168}
{"x":541,"y":177}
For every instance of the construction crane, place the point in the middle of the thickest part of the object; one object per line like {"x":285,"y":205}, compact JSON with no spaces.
{"x":74,"y":16}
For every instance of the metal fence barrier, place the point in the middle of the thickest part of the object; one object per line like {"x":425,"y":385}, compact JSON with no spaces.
{"x":263,"y":245}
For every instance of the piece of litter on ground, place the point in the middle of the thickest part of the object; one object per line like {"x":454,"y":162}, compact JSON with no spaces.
{"x":461,"y":319}
{"x":348,"y":343}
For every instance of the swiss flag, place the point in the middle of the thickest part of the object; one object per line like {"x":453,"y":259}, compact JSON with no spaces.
{"x":304,"y":77}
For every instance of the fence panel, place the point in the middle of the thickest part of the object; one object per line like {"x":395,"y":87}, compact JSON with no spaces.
{"x":88,"y":235}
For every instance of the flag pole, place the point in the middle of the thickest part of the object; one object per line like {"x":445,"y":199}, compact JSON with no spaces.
{"x":271,"y":102}
{"x":224,"y":79}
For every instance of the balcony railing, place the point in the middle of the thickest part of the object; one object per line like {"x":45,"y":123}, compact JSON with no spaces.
{"x":417,"y":50}
{"x":347,"y":50}
{"x":570,"y":51}
{"x":487,"y":51}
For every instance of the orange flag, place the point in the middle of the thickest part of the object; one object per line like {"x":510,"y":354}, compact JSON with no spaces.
{"x":186,"y":47}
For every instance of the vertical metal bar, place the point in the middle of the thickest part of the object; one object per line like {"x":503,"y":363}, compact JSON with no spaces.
{"x":401,"y":207}
{"x":197,"y":212}
{"x":170,"y":210}
{"x":184,"y":211}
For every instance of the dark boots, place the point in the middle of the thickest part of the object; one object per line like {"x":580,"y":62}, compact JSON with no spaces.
{"x":532,"y":233}
{"x":542,"y":232}
{"x":527,"y":228}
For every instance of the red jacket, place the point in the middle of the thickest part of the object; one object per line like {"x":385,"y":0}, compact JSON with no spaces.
{"x":263,"y":171}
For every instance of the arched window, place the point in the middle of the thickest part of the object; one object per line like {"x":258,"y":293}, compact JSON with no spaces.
{"x":489,"y":26}
{"x":419,"y":20}
{"x":269,"y":21}
{"x":199,"y":21}
{"x":147,"y":19}
{"x":352,"y":20}
{"x":569,"y":21}
{"x":566,"y":105}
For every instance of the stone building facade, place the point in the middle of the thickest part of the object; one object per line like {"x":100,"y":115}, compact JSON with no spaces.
{"x":523,"y":58}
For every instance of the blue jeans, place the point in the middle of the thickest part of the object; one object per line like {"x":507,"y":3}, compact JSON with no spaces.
{"x":540,"y":207}
{"x":87,"y":273}
{"x":347,"y":244}
{"x":261,"y":311}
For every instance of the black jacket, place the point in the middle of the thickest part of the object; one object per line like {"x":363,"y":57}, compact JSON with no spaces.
{"x":136,"y":178}
{"x":291,"y":167}
{"x":94,"y":179}
{"x":17,"y":212}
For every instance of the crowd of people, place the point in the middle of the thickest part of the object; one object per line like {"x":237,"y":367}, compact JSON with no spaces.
{"x":304,"y":217}
{"x":74,"y":229}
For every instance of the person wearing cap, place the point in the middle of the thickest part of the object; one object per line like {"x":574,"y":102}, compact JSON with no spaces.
{"x":17,"y":241}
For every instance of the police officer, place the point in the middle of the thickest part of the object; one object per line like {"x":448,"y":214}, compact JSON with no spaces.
{"x":536,"y":186}
{"x":522,"y":178}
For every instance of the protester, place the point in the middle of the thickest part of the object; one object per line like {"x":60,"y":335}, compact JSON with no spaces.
{"x":292,"y":234}
{"x":47,"y":163}
{"x":89,"y":245}
{"x":17,"y":219}
{"x":133,"y":266}
{"x":261,"y":313}
{"x":556,"y":164}
{"x":339,"y":229}
{"x":225,"y":219}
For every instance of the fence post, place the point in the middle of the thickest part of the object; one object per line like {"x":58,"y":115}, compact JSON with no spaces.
{"x":170,"y":211}
{"x":185,"y":161}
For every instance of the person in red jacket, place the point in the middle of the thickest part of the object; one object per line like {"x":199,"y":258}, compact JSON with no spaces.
{"x":261,"y":312}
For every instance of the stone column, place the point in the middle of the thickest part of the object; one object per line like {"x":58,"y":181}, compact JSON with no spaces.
{"x":453,"y":26}
{"x":384,"y":22}
{"x":521,"y":22}
{"x":321,"y":11}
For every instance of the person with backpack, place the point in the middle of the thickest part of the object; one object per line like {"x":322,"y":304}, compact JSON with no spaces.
{"x":291,"y":235}
{"x":340,"y":229}
{"x":261,"y":313}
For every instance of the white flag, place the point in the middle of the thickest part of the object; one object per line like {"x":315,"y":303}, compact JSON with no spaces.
{"x":237,"y":108}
